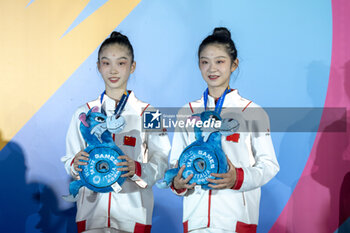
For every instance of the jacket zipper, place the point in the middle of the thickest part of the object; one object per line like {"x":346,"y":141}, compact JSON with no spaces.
{"x":243,"y":198}
{"x":82,"y":197}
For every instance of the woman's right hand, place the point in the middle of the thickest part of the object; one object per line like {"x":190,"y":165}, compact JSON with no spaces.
{"x":81,"y":155}
{"x":181,"y":183}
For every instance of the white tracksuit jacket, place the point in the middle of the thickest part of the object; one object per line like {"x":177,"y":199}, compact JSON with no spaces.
{"x":131,"y":209}
{"x":250,"y":150}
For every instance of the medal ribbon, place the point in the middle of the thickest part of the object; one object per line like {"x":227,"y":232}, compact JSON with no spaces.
{"x":118,"y":110}
{"x":220,"y":101}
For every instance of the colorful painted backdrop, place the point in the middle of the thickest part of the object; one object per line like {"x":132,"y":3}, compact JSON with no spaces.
{"x":292,"y":54}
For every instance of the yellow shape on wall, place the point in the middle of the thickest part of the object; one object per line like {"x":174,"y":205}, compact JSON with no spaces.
{"x":36,"y":61}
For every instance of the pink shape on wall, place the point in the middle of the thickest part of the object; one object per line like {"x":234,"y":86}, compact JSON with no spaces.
{"x":321,"y":199}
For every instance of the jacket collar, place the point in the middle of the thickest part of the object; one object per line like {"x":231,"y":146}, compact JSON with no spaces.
{"x":229,"y":96}
{"x":109,"y":104}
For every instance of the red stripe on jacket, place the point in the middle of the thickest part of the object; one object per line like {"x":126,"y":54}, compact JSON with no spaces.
{"x":138,"y":169}
{"x":239,"y":179}
{"x":191,"y":107}
{"x":142,"y":228}
{"x":144,"y":110}
{"x":185,"y":225}
{"x":109,"y":209}
{"x":246,"y":106}
{"x":242,"y":227}
{"x":81,"y":225}
{"x":209,"y":206}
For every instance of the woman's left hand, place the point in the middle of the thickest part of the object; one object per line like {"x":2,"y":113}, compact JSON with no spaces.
{"x":128,"y":165}
{"x":227,"y":179}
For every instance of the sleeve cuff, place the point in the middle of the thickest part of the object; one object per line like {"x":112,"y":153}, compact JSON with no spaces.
{"x":138,"y":169}
{"x":73,"y":171}
{"x":239,"y":179}
{"x":180,"y":192}
{"x":71,"y":163}
{"x":137,"y":176}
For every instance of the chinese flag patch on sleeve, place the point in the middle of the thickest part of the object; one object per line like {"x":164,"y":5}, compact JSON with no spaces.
{"x":129,"y":141}
{"x":233,"y":137}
